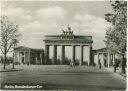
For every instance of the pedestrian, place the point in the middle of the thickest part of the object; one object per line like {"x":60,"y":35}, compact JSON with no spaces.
{"x":115,"y":65}
{"x":99,"y":64}
{"x":71,"y":63}
{"x":114,"y":68}
{"x":123,"y":65}
{"x":28,"y":63}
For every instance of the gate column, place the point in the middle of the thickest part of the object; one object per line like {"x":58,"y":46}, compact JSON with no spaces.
{"x":63,"y":54}
{"x":55,"y":55}
{"x":81,"y":61}
{"x":46,"y":54}
{"x":73,"y":53}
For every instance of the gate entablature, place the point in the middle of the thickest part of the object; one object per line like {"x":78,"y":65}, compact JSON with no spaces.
{"x":73,"y":39}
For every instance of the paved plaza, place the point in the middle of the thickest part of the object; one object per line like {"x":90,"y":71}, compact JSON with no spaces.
{"x":66,"y":77}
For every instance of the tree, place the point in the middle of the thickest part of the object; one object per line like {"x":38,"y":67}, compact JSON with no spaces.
{"x":116,"y":34}
{"x":9,"y":32}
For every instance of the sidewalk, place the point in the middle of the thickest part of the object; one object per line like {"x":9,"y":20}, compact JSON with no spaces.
{"x":9,"y":68}
{"x":118,"y":72}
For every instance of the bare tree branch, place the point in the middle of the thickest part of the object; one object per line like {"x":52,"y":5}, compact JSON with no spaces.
{"x":9,"y":31}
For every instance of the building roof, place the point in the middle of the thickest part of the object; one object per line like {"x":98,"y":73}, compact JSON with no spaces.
{"x":102,"y":50}
{"x":23,"y":48}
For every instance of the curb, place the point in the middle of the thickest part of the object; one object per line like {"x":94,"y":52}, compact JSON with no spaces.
{"x":11,"y":70}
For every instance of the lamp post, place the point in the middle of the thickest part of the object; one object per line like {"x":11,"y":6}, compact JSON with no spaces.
{"x":14,"y":41}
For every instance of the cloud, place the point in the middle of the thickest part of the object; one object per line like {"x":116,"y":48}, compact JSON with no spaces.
{"x":48,"y":20}
{"x":34,"y":25}
{"x":16,"y":13}
{"x":93,"y":26}
{"x":51,"y":13}
{"x":86,"y":17}
{"x":33,"y":33}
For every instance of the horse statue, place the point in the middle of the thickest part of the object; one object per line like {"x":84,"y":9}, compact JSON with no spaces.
{"x":71,"y":32}
{"x":63,"y":32}
{"x":68,"y":31}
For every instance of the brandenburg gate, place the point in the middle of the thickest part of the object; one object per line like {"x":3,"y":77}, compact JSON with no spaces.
{"x":67,"y":38}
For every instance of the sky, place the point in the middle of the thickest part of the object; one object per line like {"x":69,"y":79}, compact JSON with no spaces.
{"x":39,"y":18}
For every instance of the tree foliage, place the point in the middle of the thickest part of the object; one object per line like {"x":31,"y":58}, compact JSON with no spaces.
{"x":116,"y":35}
{"x":9,"y":33}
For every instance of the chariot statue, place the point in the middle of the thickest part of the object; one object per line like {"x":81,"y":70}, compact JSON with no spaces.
{"x":69,"y":31}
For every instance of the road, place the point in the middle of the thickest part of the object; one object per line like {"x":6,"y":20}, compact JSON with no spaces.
{"x":65,"y":77}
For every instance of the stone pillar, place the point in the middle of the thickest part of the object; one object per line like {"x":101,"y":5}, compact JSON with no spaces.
{"x":81,"y":61}
{"x":102,"y":61}
{"x":25,"y":58}
{"x":109,"y":60}
{"x":98,"y":58}
{"x":73,"y":53}
{"x":19,"y":60}
{"x":41,"y":58}
{"x":36,"y":59}
{"x":46,"y":54}
{"x":89,"y":61}
{"x":113,"y":58}
{"x":29,"y":57}
{"x":63,"y":54}
{"x":54,"y":54}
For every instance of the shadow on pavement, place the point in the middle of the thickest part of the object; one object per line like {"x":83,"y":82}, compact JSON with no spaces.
{"x":82,"y":87}
{"x":74,"y":73}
